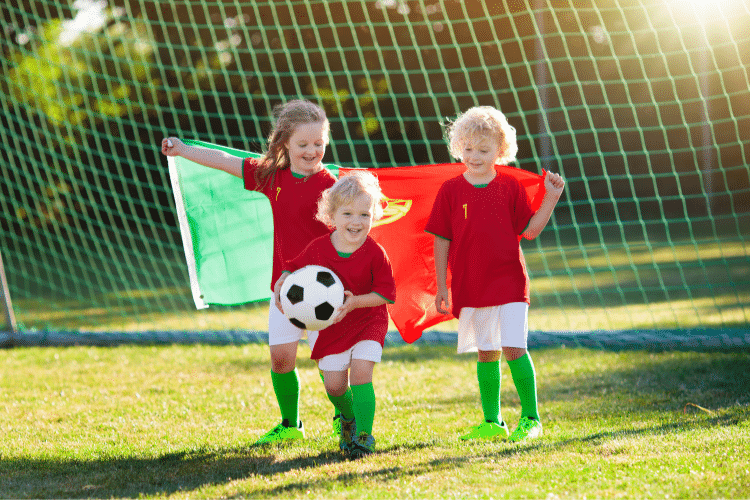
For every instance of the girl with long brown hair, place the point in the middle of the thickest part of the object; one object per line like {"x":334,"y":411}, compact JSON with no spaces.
{"x":291,"y":175}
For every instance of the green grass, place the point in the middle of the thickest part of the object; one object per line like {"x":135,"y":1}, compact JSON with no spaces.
{"x":178,"y":421}
{"x":574,"y":287}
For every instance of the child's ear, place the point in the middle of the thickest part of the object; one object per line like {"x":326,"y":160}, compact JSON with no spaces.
{"x":500,"y":155}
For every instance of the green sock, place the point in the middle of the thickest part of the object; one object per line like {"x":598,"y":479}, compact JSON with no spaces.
{"x":344,"y":404}
{"x":336,"y":411}
{"x":286,"y":387}
{"x":364,"y":406}
{"x":524,"y":377}
{"x":488,"y":375}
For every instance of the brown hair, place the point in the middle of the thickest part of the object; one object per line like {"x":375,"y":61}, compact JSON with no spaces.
{"x":287,"y":117}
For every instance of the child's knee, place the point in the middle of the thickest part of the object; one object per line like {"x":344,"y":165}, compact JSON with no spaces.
{"x":489,"y":356}
{"x":336,"y":383}
{"x":283,"y":357}
{"x":282,"y":365}
{"x":513,"y":353}
{"x":361,"y":371}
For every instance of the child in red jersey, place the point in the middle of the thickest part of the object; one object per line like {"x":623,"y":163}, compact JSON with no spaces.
{"x":292,"y":176}
{"x":350,"y":347}
{"x":477,"y":219}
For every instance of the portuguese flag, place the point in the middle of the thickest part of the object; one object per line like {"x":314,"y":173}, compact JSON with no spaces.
{"x":410,"y":193}
{"x":221,"y":223}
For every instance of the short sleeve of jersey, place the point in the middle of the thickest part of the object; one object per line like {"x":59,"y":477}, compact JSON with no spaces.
{"x":249,"y":166}
{"x":439,"y":222}
{"x":522,"y":211}
{"x":382,"y":274}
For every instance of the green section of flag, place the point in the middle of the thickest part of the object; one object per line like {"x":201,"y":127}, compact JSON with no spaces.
{"x":227,"y":232}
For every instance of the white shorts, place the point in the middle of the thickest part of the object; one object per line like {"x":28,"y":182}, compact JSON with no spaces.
{"x":368,"y":350}
{"x":492,"y":328}
{"x":280,"y":329}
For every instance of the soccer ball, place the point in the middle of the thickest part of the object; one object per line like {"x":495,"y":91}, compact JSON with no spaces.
{"x":310,"y":296}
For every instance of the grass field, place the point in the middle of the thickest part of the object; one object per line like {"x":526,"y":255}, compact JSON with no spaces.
{"x":574,"y":287}
{"x":178,"y":421}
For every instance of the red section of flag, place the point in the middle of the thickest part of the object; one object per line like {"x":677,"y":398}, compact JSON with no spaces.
{"x":411,"y":192}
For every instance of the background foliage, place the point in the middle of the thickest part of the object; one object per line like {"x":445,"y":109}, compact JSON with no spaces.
{"x":642,"y":106}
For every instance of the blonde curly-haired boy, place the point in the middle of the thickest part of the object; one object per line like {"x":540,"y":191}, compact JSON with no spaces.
{"x":477,"y":218}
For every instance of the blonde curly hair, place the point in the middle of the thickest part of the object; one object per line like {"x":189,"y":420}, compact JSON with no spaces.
{"x":478,"y":123}
{"x":345,"y":191}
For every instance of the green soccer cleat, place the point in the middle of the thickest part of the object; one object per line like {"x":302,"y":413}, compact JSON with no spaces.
{"x":336,"y":425}
{"x":528,"y":428}
{"x":487,"y":430}
{"x":362,"y":446}
{"x":282,"y":432}
{"x":348,"y":432}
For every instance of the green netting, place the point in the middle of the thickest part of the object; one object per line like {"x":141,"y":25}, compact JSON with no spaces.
{"x":642,"y":105}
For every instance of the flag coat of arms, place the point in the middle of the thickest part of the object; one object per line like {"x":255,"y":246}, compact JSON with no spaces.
{"x":227,"y":234}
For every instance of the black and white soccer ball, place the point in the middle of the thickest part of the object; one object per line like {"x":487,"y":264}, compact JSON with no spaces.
{"x":310,"y":297}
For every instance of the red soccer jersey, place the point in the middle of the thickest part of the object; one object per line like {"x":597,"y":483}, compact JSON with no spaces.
{"x":294,"y":203}
{"x":366,"y":270}
{"x":483,"y":225}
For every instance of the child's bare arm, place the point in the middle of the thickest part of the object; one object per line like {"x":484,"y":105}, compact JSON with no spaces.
{"x":440,"y":249}
{"x":212,"y":158}
{"x":352,"y":302}
{"x":554,"y":185}
{"x":277,"y":289}
{"x":371,"y":299}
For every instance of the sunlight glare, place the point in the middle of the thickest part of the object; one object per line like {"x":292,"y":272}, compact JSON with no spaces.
{"x":706,"y":10}
{"x":91,"y":17}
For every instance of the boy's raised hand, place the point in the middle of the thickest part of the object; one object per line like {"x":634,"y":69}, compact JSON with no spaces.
{"x":171,"y":146}
{"x":554,"y":183}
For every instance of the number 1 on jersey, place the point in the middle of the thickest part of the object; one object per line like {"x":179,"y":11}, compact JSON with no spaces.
{"x":466,"y":214}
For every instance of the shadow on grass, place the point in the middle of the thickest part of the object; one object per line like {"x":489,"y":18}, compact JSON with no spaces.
{"x":133,"y":477}
{"x":632,"y":383}
{"x":636,"y":382}
{"x":189,"y":471}
{"x":657,"y":383}
{"x":400,"y":474}
{"x":163,"y":475}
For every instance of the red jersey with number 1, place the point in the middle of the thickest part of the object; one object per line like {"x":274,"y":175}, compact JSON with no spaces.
{"x":483,"y":225}
{"x":365,"y":271}
{"x":294,"y":203}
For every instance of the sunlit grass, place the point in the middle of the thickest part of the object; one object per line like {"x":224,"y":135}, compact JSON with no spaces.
{"x":598,"y":256}
{"x":689,"y":313}
{"x":593,"y":287}
{"x":692,"y":313}
{"x":178,"y":422}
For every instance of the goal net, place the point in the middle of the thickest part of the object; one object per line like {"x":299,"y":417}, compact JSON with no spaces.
{"x":643,"y":106}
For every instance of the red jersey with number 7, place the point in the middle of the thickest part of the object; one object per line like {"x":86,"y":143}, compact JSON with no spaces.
{"x":294,"y":203}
